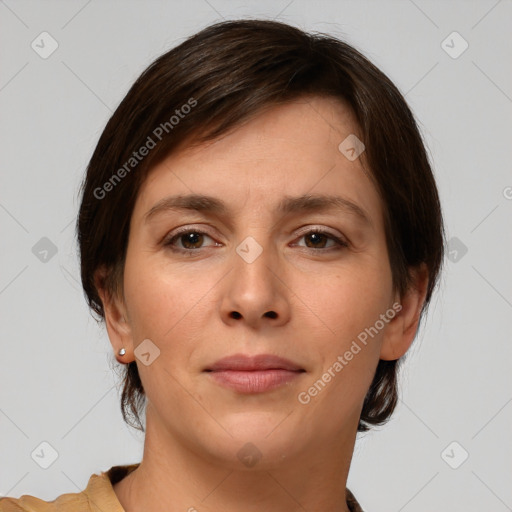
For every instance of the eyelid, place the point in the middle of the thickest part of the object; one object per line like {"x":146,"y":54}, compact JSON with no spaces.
{"x":312,"y":227}
{"x":188,"y":227}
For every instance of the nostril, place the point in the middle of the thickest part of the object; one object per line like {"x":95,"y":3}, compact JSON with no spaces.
{"x":271,"y":314}
{"x":236,"y":314}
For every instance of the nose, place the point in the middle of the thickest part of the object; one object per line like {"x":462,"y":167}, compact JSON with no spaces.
{"x":255,"y":293}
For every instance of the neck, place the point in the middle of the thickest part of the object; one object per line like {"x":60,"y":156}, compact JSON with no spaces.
{"x":174,"y":477}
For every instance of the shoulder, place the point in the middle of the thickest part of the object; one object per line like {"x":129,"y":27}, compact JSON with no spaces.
{"x":72,"y":502}
{"x":99,"y":491}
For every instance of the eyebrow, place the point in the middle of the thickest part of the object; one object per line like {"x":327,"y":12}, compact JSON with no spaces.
{"x":305,"y":203}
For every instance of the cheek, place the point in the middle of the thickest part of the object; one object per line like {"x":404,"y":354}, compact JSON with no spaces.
{"x":155,"y":301}
{"x":349,"y":310}
{"x":166,"y":305}
{"x":348,"y":307}
{"x":348,"y":300}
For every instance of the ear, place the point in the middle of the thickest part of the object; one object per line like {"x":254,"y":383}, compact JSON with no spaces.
{"x":116,"y":318}
{"x":401,"y":330}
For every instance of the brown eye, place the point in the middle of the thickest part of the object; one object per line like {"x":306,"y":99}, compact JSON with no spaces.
{"x":316,"y":239}
{"x":187,"y":241}
{"x":191,"y":240}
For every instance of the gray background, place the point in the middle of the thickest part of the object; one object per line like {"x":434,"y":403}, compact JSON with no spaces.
{"x":56,"y":380}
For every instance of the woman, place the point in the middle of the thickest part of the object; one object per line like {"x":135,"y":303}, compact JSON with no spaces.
{"x":261,"y":232}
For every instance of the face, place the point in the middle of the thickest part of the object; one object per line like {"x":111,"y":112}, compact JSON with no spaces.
{"x":254,"y":271}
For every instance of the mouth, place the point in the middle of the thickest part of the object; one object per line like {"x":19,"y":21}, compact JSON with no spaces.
{"x":253,"y":374}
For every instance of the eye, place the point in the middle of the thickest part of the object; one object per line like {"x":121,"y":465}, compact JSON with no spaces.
{"x":190,"y":240}
{"x":317,"y":239}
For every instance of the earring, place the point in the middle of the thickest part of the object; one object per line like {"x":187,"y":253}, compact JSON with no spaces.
{"x":122,"y":352}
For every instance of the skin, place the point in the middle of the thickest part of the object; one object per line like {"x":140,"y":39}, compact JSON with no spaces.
{"x":322,"y":298}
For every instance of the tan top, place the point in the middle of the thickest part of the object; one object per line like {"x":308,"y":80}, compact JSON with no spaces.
{"x":98,"y":496}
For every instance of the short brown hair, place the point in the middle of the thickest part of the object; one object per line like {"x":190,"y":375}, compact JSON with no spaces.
{"x":232,"y":71}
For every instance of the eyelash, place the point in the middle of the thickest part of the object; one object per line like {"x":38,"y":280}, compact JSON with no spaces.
{"x":341,"y":244}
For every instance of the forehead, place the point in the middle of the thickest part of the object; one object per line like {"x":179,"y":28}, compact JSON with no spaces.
{"x":286,"y":150}
{"x":300,"y":126}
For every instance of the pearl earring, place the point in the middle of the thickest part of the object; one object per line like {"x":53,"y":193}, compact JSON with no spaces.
{"x":122,"y":352}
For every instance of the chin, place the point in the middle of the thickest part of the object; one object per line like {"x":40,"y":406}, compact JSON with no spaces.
{"x":262,"y":438}
{"x":255,"y":424}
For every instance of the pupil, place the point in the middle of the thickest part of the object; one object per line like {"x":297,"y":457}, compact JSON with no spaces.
{"x":192,"y":238}
{"x":316,"y":237}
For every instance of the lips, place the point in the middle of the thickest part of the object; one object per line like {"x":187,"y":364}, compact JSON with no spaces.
{"x":241,"y":362}
{"x":253,"y":374}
